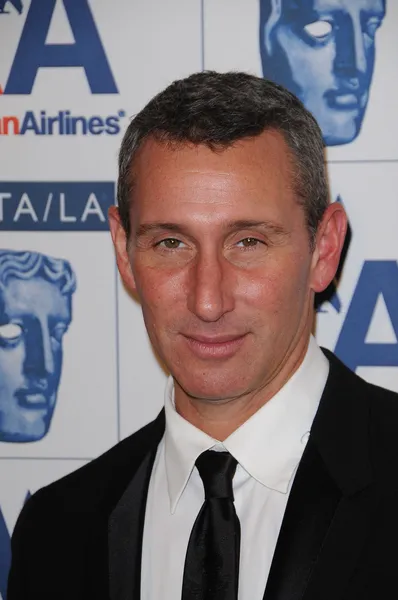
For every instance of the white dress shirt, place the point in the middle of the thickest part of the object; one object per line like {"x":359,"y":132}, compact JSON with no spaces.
{"x":268,"y":448}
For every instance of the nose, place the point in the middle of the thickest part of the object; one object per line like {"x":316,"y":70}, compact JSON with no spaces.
{"x":210,"y":288}
{"x":351,"y":58}
{"x":39,"y":357}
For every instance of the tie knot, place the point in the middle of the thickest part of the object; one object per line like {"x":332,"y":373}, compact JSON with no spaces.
{"x":217,"y":470}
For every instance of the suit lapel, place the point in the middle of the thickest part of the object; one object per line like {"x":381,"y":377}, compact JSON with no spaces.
{"x":328,"y":511}
{"x":127,"y":515}
{"x":125,"y":532}
{"x":312,"y":505}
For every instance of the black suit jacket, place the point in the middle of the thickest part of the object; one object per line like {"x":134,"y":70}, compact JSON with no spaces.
{"x":80,"y":538}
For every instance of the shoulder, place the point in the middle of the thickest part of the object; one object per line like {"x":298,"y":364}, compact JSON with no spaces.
{"x":67,"y":521}
{"x":99,"y":484}
{"x":380,"y":404}
{"x":382,"y":400}
{"x":384,"y":426}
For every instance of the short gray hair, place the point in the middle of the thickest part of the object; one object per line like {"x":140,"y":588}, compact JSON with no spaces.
{"x":218,"y":109}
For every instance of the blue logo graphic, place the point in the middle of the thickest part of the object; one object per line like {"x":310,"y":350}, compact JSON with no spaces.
{"x":35,"y":313}
{"x":323,"y":51}
{"x":55,"y":206}
{"x":17,"y":4}
{"x":378,"y":278}
{"x":63,"y":123}
{"x":33,"y":53}
{"x":5,"y":553}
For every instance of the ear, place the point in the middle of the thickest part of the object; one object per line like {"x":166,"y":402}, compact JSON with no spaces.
{"x":329,"y":245}
{"x":120,"y":243}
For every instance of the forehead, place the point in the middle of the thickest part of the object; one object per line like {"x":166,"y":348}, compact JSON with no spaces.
{"x":248,"y":163}
{"x":197,"y":183}
{"x":35,"y":296}
{"x":348,"y":6}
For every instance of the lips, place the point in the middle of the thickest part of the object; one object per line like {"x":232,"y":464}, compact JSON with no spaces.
{"x":345,"y":99}
{"x":32,"y":399}
{"x":214,"y":347}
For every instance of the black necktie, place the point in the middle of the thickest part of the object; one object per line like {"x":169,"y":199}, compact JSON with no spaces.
{"x":212,"y":562}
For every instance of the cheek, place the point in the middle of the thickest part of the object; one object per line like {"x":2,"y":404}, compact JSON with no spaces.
{"x":370,"y":57}
{"x":276,"y":289}
{"x":58,"y":368}
{"x":11,"y":365}
{"x":159,"y":292}
{"x":267,"y":295}
{"x":311,"y":68}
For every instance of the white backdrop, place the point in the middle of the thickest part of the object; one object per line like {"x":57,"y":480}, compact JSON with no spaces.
{"x":71,"y":74}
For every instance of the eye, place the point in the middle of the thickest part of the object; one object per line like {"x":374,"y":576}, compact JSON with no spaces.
{"x":249,"y":242}
{"x":319,"y":30}
{"x":11,"y":332}
{"x":170,"y":244}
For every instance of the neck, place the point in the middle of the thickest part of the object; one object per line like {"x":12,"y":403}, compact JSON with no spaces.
{"x":220,"y":418}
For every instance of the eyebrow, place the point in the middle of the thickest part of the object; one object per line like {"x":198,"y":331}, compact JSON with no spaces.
{"x":269,"y":226}
{"x":146,"y":228}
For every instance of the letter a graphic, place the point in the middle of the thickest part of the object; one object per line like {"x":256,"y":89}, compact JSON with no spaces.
{"x":378,"y":277}
{"x":87,"y":51}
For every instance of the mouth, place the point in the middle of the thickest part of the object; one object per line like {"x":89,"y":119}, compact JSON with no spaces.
{"x":345,"y":100}
{"x":214,"y":347}
{"x":32,"y":399}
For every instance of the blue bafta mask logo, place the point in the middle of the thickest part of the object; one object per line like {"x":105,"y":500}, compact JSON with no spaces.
{"x":35,"y":312}
{"x":324,"y":52}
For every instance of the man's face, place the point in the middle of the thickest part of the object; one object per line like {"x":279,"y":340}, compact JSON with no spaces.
{"x":221,"y":261}
{"x":34,"y":315}
{"x":323,"y":51}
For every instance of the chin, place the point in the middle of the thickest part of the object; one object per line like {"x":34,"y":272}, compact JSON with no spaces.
{"x":342,"y":133}
{"x":212,"y":388}
{"x":341,"y":139}
{"x":37,"y":431}
{"x":21,"y":438}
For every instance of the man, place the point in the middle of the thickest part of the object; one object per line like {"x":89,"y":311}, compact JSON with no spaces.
{"x":270,"y":471}
{"x":35,"y":312}
{"x":323,"y":51}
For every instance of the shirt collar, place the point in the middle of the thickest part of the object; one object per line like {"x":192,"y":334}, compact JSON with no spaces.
{"x":268,"y":446}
